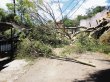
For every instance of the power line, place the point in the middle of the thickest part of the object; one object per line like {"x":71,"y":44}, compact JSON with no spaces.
{"x":73,"y":7}
{"x":68,"y":6}
{"x":60,"y":9}
{"x":65,"y":8}
{"x":77,"y":8}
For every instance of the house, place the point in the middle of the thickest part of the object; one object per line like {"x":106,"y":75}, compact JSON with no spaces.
{"x":95,"y":20}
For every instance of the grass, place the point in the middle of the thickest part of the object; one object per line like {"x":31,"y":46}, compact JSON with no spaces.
{"x":84,"y":43}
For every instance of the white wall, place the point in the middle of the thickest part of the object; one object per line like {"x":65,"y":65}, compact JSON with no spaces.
{"x":93,"y":19}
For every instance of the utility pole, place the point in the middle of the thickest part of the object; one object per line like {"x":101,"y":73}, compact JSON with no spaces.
{"x":14,"y":7}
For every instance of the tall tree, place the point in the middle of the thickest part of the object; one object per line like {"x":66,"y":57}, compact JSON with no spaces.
{"x":20,"y":9}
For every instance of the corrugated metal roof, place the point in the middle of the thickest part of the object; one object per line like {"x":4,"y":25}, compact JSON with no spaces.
{"x":5,"y":26}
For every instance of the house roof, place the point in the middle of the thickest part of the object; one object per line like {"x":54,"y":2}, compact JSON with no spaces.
{"x":5,"y":26}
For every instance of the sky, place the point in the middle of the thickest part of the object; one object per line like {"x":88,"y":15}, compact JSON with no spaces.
{"x":83,"y":7}
{"x":68,"y":5}
{"x":3,"y":3}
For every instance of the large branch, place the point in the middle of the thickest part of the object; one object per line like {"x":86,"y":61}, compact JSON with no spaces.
{"x":102,"y":24}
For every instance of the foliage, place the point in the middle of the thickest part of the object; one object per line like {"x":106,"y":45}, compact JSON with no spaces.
{"x":89,"y":44}
{"x":10,"y":7}
{"x":40,"y":1}
{"x":42,"y":49}
{"x":105,"y":37}
{"x":92,"y":11}
{"x":5,"y":16}
{"x":84,"y":43}
{"x":40,"y":41}
{"x":8,"y":18}
{"x":32,"y":49}
{"x":70,"y":23}
{"x":89,"y":13}
{"x":24,"y":49}
{"x":41,"y":37}
{"x":46,"y":35}
{"x":68,"y":50}
{"x":80,"y":17}
{"x":21,"y":8}
{"x":2,"y":14}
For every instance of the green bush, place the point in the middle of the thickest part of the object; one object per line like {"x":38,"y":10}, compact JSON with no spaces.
{"x":104,"y":48}
{"x":32,"y":49}
{"x":42,"y":49}
{"x":39,"y":42}
{"x":89,"y":44}
{"x":47,"y":35}
{"x":84,"y":43}
{"x":24,"y":49}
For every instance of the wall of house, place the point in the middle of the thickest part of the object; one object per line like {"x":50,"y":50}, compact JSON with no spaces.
{"x":91,"y":22}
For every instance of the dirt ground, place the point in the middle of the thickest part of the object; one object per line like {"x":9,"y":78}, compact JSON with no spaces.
{"x":55,"y":70}
{"x":11,"y":71}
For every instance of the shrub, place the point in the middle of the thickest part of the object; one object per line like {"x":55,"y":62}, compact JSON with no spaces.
{"x":90,"y":44}
{"x":24,"y":49}
{"x":32,"y":49}
{"x":47,"y":35}
{"x":84,"y":43}
{"x":42,"y":40}
{"x":42,"y":49}
{"x":104,"y":48}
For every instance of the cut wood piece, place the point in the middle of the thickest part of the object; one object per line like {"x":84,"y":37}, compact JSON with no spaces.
{"x":71,"y":60}
{"x":3,"y":59}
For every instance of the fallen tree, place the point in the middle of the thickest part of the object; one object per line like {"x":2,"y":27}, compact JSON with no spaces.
{"x":97,"y":32}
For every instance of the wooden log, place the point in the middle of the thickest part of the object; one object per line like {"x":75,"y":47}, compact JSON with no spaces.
{"x":71,"y":60}
{"x":3,"y":59}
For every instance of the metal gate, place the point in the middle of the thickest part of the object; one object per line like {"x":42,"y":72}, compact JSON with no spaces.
{"x":6,"y":44}
{"x":6,"y":48}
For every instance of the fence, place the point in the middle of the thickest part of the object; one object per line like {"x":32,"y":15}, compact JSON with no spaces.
{"x":6,"y":48}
